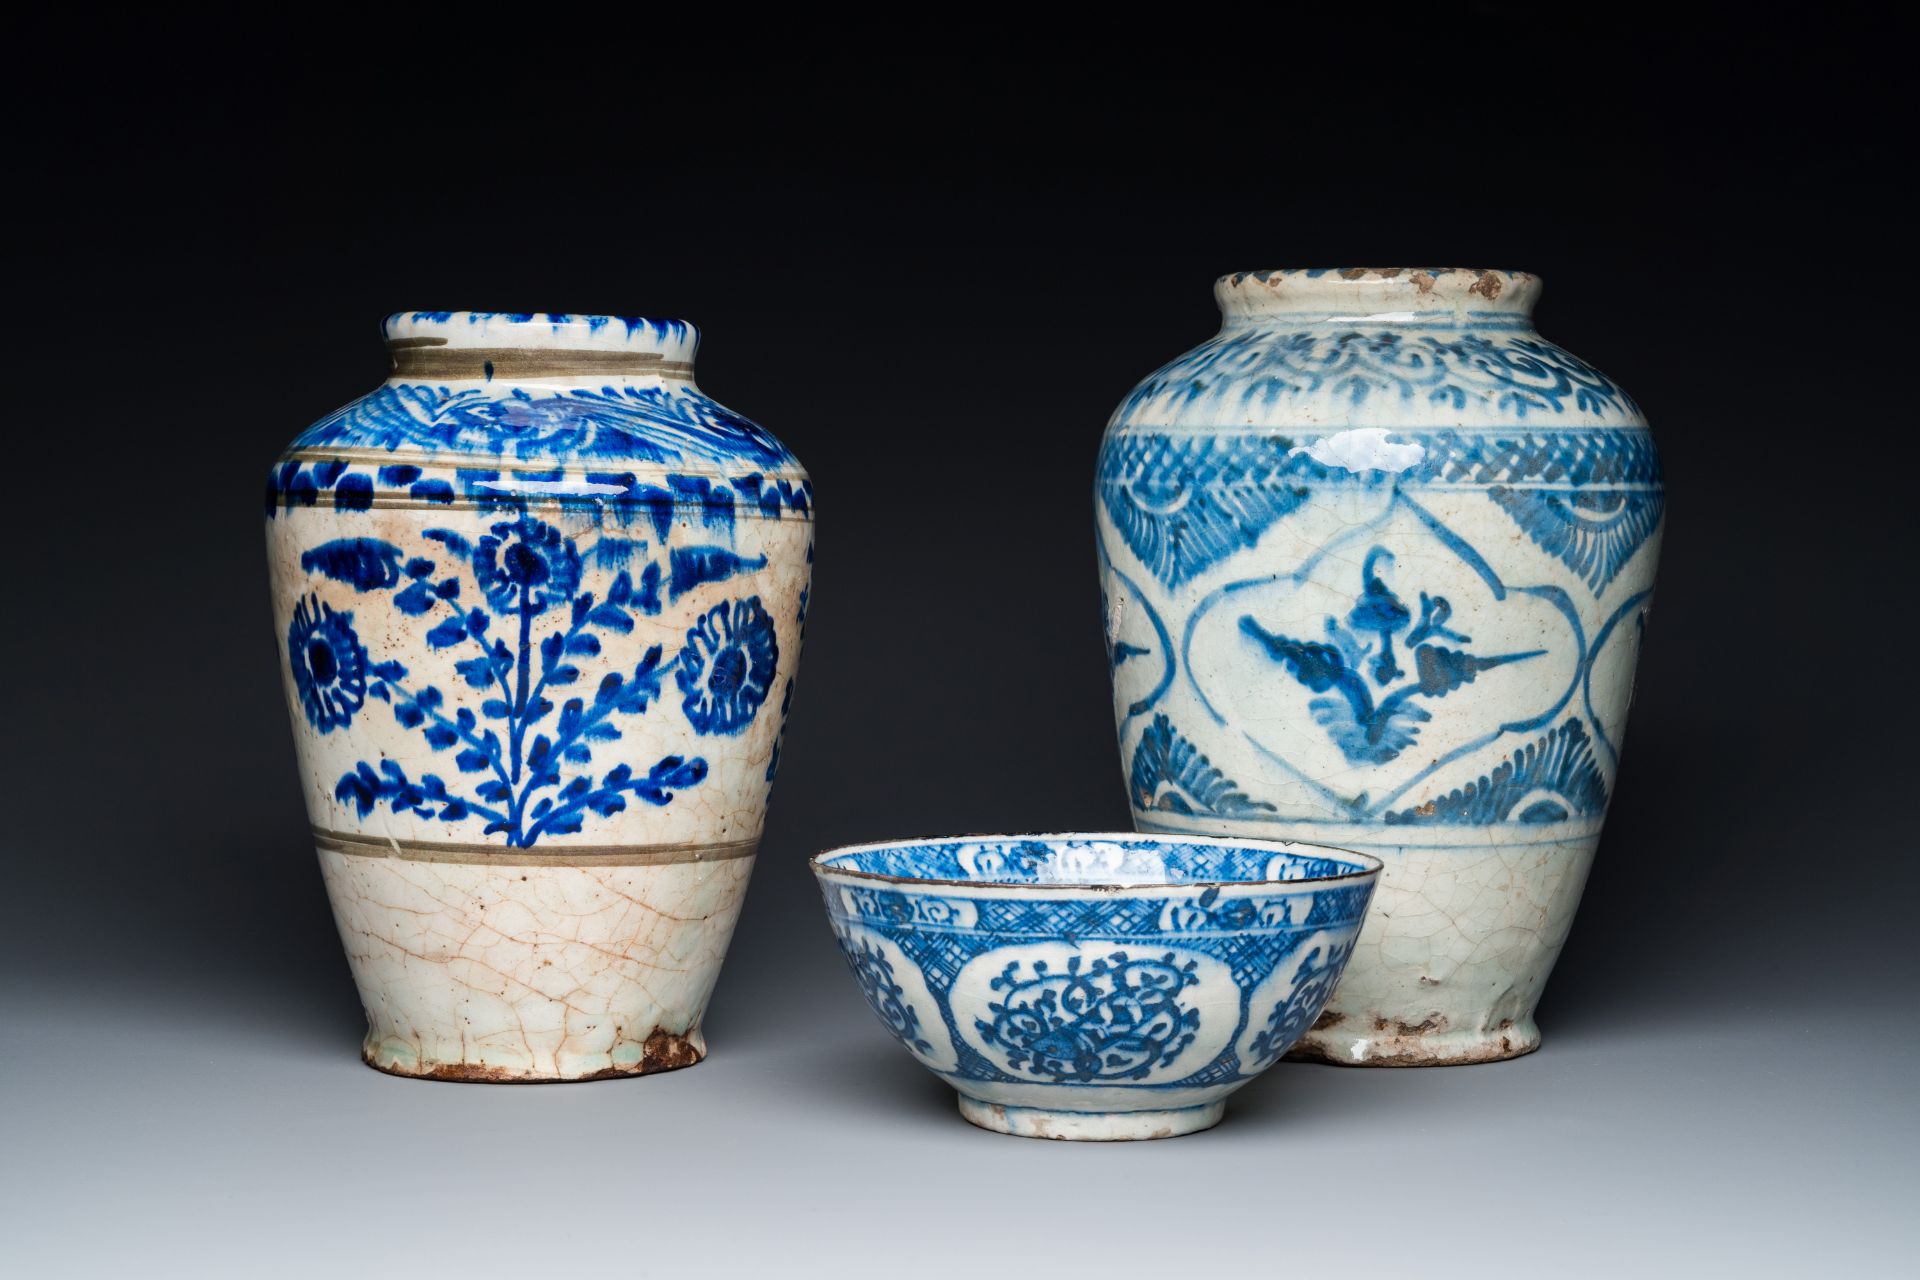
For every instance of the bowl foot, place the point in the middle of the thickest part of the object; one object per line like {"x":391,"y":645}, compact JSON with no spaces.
{"x":1091,"y":1126}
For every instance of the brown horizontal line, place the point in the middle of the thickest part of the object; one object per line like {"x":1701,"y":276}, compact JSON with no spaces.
{"x":579,"y":855}
{"x":519,"y":362}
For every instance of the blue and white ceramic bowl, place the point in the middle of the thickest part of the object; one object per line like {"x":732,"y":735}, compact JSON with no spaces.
{"x":1096,"y":987}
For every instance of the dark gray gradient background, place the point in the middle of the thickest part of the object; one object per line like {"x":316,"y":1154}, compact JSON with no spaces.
{"x":934,"y":282}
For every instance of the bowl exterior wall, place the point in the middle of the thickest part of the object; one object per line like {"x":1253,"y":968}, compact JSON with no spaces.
{"x":1087,"y":1000}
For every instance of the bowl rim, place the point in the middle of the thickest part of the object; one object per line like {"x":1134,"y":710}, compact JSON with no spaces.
{"x":1371,"y":866}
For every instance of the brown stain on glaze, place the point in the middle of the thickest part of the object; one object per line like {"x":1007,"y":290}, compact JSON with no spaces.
{"x":1433,"y":1022}
{"x":1413,"y":1052}
{"x":1500,"y":1052}
{"x":663,"y":1051}
{"x":1487,"y":286}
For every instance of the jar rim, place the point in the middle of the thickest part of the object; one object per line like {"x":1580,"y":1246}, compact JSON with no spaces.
{"x":1352,"y":290}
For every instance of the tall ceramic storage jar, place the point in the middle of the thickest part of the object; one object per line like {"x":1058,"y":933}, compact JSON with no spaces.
{"x":1377,"y":559}
{"x":539,"y":602}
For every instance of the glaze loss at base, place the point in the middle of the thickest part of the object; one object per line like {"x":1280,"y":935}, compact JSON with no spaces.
{"x":1090,"y":1126}
{"x":1386,"y":1046}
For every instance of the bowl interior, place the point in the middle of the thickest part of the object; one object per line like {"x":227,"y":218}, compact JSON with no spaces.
{"x":1096,"y":860}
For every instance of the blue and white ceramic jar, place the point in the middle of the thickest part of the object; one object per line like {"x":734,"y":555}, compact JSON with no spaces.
{"x":540,"y":603}
{"x":1377,"y":559}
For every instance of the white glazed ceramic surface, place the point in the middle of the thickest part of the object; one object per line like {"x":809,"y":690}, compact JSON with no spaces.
{"x":1376,"y":561}
{"x":1095,"y":987}
{"x":540,"y":606}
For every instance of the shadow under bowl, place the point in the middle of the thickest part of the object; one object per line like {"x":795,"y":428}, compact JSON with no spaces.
{"x":1096,"y":986}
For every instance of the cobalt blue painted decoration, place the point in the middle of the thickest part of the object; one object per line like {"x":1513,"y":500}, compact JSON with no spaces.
{"x":533,"y":596}
{"x":1553,"y":779}
{"x":1118,"y":1019}
{"x":727,"y":667}
{"x":1169,"y":775}
{"x":1594,"y":533}
{"x":1376,"y":561}
{"x":1093,"y":985}
{"x":1358,"y":658}
{"x":329,"y":664}
{"x":1319,"y":973}
{"x":646,"y":424}
{"x":874,"y":972}
{"x":524,"y":759}
{"x":1185,"y":505}
{"x":1473,"y":368}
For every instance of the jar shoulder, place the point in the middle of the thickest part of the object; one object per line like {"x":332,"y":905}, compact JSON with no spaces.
{"x":654,"y":447}
{"x":1328,"y":378}
{"x":655,"y":424}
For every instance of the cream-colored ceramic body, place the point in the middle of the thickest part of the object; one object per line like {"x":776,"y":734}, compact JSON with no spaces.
{"x":1376,"y":560}
{"x":540,"y":604}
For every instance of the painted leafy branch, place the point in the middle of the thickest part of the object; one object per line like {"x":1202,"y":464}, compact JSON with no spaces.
{"x":1372,"y":729}
{"x":524,"y":760}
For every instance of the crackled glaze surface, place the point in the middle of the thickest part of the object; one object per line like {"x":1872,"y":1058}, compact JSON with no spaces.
{"x":540,"y":604}
{"x":1095,"y":986}
{"x":1377,"y":559}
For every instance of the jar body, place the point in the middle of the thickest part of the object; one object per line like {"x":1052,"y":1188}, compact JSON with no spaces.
{"x":1377,"y":560}
{"x":539,"y":604}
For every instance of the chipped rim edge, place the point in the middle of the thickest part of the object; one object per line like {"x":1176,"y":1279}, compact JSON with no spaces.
{"x":1337,"y":276}
{"x":1283,"y":290}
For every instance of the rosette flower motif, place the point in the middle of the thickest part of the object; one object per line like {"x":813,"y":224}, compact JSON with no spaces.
{"x":329,"y":664}
{"x":727,"y":668}
{"x":526,"y":565}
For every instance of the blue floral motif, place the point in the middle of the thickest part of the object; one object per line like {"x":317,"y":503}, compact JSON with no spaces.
{"x":1554,"y":779}
{"x":726,"y":670}
{"x":1313,"y":985}
{"x":1169,"y":775}
{"x":1594,"y":533}
{"x":529,"y":749}
{"x":329,"y":664}
{"x":1119,"y":1020}
{"x":874,"y":972}
{"x":526,"y":564}
{"x":1186,"y":504}
{"x":1369,"y":730}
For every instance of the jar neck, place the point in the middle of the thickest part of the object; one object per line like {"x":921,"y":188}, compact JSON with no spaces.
{"x":488,"y":346}
{"x":1382,"y":295}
